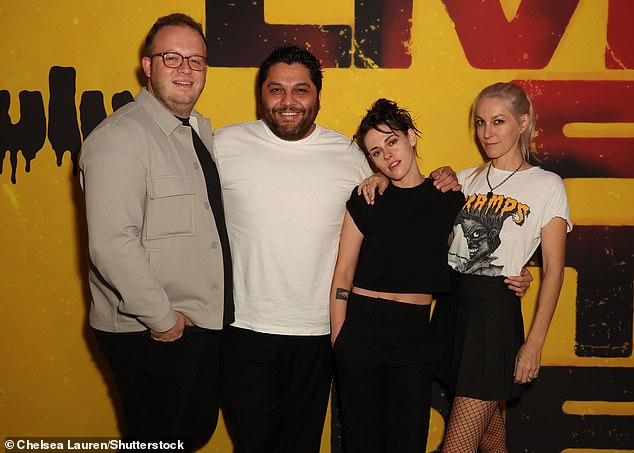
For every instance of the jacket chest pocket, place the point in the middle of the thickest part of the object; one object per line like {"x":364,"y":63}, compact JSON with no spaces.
{"x":170,"y":207}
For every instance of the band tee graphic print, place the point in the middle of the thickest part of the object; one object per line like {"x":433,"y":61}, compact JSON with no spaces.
{"x":481,"y":220}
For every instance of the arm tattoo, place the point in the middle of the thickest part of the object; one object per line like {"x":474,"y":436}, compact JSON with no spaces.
{"x":342,"y":294}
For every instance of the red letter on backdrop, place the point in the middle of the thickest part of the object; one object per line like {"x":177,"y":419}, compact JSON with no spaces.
{"x":527,"y":42}
{"x":558,"y":103}
{"x":383,"y":33}
{"x":620,"y":51}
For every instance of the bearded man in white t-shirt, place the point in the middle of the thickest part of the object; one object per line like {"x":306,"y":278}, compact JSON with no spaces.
{"x":285,"y":182}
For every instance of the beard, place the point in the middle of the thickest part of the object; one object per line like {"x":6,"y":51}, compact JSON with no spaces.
{"x":291,"y":131}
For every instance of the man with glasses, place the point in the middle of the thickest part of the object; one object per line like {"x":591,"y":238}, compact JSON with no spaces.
{"x":160,"y":265}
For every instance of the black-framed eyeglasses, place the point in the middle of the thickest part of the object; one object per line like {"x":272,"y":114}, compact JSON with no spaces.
{"x":175,"y":60}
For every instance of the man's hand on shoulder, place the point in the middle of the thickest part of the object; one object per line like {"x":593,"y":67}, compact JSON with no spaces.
{"x":445,"y":179}
{"x":370,"y":185}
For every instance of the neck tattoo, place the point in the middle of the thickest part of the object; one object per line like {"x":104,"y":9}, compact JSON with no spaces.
{"x":491,"y":189}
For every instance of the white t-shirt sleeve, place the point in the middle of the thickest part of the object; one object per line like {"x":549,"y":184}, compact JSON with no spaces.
{"x":557,"y":204}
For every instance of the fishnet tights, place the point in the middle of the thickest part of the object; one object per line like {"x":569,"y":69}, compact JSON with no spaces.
{"x":494,"y":438}
{"x":475,"y":424}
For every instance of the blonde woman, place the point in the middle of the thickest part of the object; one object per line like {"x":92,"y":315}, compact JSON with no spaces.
{"x":512,"y":206}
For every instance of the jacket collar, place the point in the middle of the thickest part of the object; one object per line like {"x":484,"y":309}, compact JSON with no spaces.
{"x":163,"y":117}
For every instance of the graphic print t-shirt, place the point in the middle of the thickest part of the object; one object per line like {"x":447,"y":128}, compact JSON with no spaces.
{"x":497,"y":234}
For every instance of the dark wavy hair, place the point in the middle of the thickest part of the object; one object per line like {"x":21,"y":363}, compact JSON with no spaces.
{"x":176,"y":19}
{"x":289,"y":54}
{"x":384,"y":113}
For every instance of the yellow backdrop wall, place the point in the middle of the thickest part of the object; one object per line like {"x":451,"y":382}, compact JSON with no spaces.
{"x":51,"y":383}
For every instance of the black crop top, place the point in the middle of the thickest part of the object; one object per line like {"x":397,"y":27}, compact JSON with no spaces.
{"x":405,"y":233}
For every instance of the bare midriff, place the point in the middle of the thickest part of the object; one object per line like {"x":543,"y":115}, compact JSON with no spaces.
{"x":405,"y":298}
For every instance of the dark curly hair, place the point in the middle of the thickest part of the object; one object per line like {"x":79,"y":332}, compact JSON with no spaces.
{"x":289,"y":54}
{"x":384,"y":113}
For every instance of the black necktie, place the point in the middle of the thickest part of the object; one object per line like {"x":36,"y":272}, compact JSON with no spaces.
{"x":214,"y":193}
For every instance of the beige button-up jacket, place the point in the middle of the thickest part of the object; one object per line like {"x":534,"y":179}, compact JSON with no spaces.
{"x":153,"y":244}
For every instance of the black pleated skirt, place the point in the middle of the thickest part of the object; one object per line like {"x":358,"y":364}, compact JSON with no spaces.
{"x":479,"y":324}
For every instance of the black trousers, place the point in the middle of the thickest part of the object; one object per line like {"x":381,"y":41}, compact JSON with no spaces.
{"x":385,"y":357}
{"x":169,"y":390}
{"x":275,"y":389}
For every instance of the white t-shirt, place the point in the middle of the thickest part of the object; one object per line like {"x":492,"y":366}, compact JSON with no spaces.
{"x":284,"y":203}
{"x":497,"y":235}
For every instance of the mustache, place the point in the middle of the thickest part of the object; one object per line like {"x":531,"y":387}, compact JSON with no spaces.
{"x":289,"y":110}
